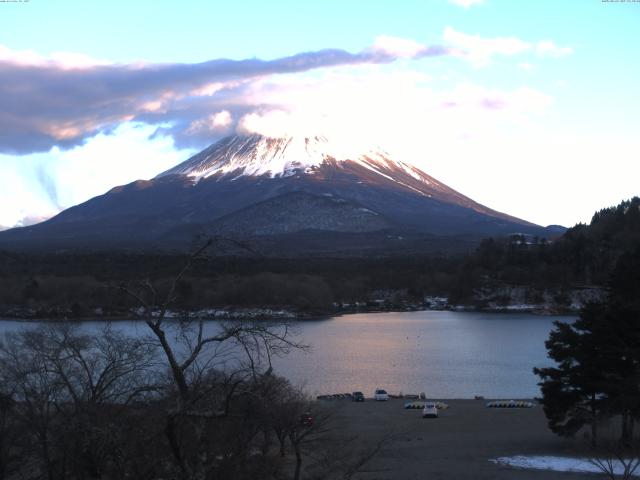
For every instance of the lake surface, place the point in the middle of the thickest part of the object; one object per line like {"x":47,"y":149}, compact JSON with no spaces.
{"x":444,"y":354}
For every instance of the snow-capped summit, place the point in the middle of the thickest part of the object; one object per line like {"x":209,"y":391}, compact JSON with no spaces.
{"x":292,"y":195}
{"x":257,"y":155}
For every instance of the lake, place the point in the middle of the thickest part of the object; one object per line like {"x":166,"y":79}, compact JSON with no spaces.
{"x":442,"y":353}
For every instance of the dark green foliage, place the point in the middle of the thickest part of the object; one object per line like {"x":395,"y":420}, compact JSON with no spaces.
{"x":302,"y":292}
{"x":72,"y":283}
{"x":584,"y":255}
{"x":623,"y":318}
{"x":77,"y":284}
{"x":598,"y":359}
{"x":625,"y":280}
{"x":574,"y":392}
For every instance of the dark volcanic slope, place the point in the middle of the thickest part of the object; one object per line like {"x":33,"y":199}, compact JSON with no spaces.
{"x":253,"y":186}
{"x":299,"y":211}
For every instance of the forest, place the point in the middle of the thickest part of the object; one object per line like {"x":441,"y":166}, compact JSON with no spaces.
{"x":85,"y":284}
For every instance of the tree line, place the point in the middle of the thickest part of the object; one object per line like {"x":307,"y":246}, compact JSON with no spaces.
{"x":72,"y":284}
{"x":583,"y":255}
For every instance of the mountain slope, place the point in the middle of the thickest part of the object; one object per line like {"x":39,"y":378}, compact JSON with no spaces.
{"x":255,"y":156}
{"x":299,"y":211}
{"x":255,"y":187}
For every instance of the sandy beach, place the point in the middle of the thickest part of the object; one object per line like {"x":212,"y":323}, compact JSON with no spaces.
{"x":457,"y":445}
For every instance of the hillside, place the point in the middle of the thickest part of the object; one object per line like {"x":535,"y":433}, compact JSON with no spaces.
{"x":500,"y":272}
{"x":584,"y":256}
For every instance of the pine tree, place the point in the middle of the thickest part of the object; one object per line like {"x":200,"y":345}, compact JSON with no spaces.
{"x":623,"y":319}
{"x":574,"y":392}
{"x":598,"y":360}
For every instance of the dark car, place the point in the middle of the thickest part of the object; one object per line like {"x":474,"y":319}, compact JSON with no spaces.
{"x":306,"y":419}
{"x":357,"y":397}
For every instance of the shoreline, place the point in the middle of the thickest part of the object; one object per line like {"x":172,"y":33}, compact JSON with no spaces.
{"x":268,"y":314}
{"x":403,"y":400}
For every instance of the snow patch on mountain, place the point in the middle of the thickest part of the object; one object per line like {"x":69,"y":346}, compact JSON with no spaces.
{"x":256,"y":155}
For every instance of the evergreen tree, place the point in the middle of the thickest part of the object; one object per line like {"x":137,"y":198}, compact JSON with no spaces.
{"x":598,"y":360}
{"x":623,"y":348}
{"x":574,"y":392}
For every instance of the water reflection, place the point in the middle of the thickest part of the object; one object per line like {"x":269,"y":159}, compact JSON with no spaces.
{"x":444,"y":354}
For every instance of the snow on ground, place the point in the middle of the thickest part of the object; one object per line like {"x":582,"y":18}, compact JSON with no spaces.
{"x":556,"y":464}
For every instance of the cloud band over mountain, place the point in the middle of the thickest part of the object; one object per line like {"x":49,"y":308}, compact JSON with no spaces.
{"x":63,"y":100}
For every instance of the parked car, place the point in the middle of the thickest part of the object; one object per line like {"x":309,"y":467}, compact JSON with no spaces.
{"x":381,"y":395}
{"x":430,"y":410}
{"x":357,"y":397}
{"x":306,"y":419}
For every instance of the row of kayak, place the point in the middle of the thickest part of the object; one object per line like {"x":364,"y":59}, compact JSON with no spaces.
{"x":418,"y":405}
{"x":510,"y":404}
{"x":494,"y":404}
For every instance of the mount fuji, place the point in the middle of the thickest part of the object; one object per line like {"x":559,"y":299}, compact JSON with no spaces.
{"x":286,"y":196}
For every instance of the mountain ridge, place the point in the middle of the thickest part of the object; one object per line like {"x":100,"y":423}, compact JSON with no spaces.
{"x":238,"y":174}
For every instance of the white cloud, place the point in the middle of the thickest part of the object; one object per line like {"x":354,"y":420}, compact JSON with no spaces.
{"x":532,"y":171}
{"x":396,"y":108}
{"x":548,"y":48}
{"x":496,"y":145}
{"x":129,"y":153}
{"x":209,"y":89}
{"x":399,"y":109}
{"x":487,"y":133}
{"x":466,"y":3}
{"x":21,"y":195}
{"x":213,"y":124}
{"x":274,"y":123}
{"x":31,"y":220}
{"x":480,"y":51}
{"x":67,"y":98}
{"x":62,"y":60}
{"x":398,"y":47}
{"x":37,"y":186}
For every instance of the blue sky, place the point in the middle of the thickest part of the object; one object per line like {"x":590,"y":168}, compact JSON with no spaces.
{"x":529,"y":107}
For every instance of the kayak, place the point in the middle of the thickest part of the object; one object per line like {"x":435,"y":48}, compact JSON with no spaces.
{"x":510,"y":404}
{"x":420,"y":405}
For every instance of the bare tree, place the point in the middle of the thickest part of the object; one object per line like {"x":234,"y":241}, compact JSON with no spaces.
{"x":239,"y":353}
{"x":37,"y":393}
{"x":303,"y":433}
{"x":615,"y":460}
{"x":68,"y":389}
{"x":9,"y":453}
{"x":191,"y":400}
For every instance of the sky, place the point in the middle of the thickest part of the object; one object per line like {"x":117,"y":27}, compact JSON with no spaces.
{"x":529,"y":107}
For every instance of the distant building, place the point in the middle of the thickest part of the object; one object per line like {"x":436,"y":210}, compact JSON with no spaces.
{"x":526,"y":239}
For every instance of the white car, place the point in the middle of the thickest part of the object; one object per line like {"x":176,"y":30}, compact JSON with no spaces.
{"x":381,"y":395}
{"x":430,"y":410}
